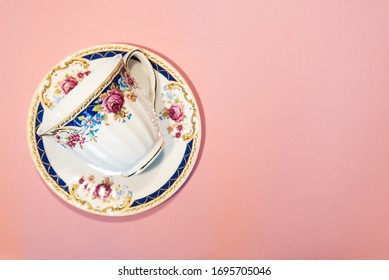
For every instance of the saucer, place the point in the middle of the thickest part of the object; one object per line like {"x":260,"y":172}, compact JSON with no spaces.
{"x":95,"y":191}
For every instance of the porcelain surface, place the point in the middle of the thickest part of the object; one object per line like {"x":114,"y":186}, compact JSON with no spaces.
{"x":107,"y":121}
{"x":98,"y":191}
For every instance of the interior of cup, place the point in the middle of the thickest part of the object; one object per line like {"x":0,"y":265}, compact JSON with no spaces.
{"x":143,"y":72}
{"x":79,"y":95}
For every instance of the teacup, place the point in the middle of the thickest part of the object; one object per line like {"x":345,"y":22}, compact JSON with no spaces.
{"x":108,"y":120}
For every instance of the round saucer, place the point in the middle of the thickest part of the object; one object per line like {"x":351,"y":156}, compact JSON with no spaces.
{"x":96,"y":191}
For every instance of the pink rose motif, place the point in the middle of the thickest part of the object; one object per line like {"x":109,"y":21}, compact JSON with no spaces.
{"x":114,"y":101}
{"x":102,"y":191}
{"x":130,"y":81}
{"x":68,"y":84}
{"x":176,"y":113}
{"x":82,"y":75}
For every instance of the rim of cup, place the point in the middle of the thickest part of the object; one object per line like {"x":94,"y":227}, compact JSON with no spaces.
{"x":81,"y":96}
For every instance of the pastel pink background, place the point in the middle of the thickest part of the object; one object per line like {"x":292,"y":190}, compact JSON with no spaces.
{"x":295,"y":101}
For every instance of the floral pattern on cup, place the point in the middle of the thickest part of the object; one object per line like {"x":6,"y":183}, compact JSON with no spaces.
{"x":177,"y":111}
{"x":110,"y":104}
{"x":112,"y":101}
{"x":101,"y":194}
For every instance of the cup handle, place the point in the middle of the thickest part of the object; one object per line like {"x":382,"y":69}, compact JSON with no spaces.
{"x":151,"y":96}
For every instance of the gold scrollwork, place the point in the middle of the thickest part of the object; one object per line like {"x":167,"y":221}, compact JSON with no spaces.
{"x":43,"y":94}
{"x":73,"y":194}
{"x":171,"y":86}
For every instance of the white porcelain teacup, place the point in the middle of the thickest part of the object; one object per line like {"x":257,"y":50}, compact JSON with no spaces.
{"x":107,"y":120}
